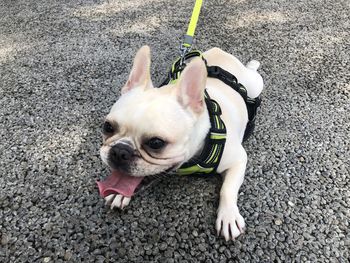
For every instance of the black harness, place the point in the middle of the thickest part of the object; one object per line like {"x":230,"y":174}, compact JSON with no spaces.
{"x":209,"y":159}
{"x":251,"y":103}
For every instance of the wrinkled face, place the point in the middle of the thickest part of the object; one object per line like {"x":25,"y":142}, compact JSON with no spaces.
{"x":146,"y":132}
{"x":149,"y":130}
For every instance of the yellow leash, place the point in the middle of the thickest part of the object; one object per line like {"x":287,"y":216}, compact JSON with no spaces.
{"x":188,"y":39}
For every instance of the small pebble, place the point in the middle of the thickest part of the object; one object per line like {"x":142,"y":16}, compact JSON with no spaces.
{"x":278,"y":222}
{"x":68,"y":255}
{"x":163,"y":246}
{"x":202,"y":247}
{"x":4,"y":239}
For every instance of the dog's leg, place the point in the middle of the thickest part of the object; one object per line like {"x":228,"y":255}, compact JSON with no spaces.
{"x":229,"y":221}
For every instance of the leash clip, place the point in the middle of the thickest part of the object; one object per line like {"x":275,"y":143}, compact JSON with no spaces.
{"x":183,"y":52}
{"x":185,"y":48}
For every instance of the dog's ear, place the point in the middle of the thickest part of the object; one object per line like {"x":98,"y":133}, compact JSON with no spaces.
{"x":140,"y":72}
{"x":190,"y":88}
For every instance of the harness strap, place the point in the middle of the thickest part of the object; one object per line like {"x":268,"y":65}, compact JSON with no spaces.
{"x":178,"y":66}
{"x":209,"y":159}
{"x":251,"y":103}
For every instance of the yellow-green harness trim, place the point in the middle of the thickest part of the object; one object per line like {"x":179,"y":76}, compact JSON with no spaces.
{"x":214,"y":145}
{"x":209,"y":158}
{"x":194,"y":169}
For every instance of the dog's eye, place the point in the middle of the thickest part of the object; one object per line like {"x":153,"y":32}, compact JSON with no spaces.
{"x":107,"y":127}
{"x":155,"y":143}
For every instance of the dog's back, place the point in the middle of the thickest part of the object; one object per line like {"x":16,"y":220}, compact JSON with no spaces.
{"x":246,"y":75}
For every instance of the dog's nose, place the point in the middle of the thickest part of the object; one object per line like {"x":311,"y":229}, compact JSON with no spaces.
{"x":121,"y":153}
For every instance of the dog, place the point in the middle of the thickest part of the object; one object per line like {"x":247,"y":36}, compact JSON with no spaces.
{"x":155,"y":130}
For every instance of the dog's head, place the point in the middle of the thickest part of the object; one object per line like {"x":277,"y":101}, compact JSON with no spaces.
{"x":153,"y":130}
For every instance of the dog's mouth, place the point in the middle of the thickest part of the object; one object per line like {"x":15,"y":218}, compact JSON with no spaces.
{"x":119,"y":182}
{"x":122,"y":183}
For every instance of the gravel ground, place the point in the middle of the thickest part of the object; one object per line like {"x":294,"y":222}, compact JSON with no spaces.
{"x":61,"y":66}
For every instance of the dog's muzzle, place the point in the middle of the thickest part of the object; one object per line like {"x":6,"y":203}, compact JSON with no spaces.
{"x":120,"y":154}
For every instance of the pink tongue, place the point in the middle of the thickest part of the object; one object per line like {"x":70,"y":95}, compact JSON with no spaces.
{"x":119,"y":183}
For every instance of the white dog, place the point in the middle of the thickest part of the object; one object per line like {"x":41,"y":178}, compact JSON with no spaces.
{"x":155,"y":130}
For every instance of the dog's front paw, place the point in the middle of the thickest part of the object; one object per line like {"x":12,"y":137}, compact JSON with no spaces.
{"x":229,"y":222}
{"x":117,"y":200}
